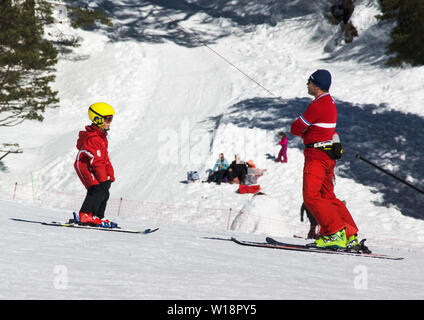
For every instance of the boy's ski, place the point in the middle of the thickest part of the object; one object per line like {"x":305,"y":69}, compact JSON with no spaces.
{"x":274,"y":244}
{"x":76,"y":225}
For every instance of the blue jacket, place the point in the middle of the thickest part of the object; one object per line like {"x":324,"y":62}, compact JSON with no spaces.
{"x":224,"y":164}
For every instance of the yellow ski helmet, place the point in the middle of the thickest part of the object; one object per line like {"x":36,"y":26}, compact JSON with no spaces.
{"x":98,"y":112}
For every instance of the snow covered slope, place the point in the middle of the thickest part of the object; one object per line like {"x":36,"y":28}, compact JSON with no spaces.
{"x":177,"y":262}
{"x":179,"y":104}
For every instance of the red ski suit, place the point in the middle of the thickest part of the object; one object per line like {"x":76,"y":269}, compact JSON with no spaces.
{"x":92,"y":163}
{"x":318,"y":124}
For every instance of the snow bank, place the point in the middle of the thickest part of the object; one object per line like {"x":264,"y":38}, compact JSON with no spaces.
{"x":262,"y":215}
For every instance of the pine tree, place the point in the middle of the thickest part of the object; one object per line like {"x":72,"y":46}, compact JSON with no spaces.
{"x":86,"y":18}
{"x":26,"y":63}
{"x":408,"y":35}
{"x":390,"y":8}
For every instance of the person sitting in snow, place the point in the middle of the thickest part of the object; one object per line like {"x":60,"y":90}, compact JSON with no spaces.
{"x":283,"y":151}
{"x":237,"y":171}
{"x":219,"y":171}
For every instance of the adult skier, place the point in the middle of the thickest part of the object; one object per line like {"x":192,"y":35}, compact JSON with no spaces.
{"x":93,"y":165}
{"x":317,"y":126}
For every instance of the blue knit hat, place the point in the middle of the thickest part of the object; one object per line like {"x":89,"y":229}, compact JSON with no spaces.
{"x":322,"y":79}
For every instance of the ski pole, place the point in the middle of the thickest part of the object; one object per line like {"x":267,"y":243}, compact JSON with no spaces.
{"x":390,"y":174}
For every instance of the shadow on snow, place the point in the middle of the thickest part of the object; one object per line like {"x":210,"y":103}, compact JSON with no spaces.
{"x":159,"y":21}
{"x":148,"y":21}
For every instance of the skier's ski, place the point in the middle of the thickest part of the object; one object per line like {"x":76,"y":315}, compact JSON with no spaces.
{"x":360,"y":248}
{"x":271,"y":243}
{"x":75,"y":225}
{"x":150,"y":230}
{"x":118,"y":229}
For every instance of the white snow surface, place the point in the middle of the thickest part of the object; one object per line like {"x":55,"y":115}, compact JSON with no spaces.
{"x":182,"y":262}
{"x":174,"y":113}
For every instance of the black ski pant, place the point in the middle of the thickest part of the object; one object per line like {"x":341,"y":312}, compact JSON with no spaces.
{"x":240,"y":174}
{"x":96,"y":199}
{"x":218,"y":176}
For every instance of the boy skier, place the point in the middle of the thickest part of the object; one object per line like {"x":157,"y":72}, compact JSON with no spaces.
{"x":93,"y":166}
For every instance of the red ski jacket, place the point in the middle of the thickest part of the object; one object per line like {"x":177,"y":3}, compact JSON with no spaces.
{"x":316,"y":124}
{"x":92,"y":163}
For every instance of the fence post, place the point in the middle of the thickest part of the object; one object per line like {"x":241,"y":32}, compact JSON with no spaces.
{"x":33,"y":187}
{"x":119,"y":207}
{"x":14,"y":191}
{"x":228,"y":222}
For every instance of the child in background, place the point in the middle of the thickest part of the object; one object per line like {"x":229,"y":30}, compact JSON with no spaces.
{"x":283,"y":151}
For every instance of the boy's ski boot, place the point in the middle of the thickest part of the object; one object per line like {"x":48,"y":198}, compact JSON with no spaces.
{"x":335,"y":241}
{"x":105,"y":223}
{"x":88,"y":219}
{"x":75,"y":220}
